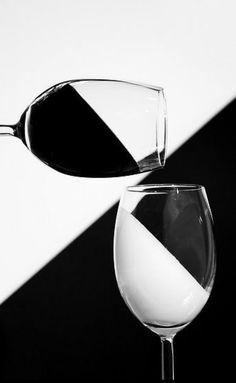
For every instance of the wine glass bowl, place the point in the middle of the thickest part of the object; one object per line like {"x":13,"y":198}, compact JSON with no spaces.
{"x":164,"y":255}
{"x":96,"y":127}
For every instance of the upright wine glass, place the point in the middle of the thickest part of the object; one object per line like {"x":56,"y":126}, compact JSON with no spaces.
{"x":96,"y":127}
{"x":164,"y":256}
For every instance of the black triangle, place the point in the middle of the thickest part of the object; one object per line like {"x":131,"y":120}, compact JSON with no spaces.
{"x":69,"y":321}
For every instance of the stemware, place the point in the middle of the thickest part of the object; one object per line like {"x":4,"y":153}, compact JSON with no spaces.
{"x":164,"y":258}
{"x":96,"y":127}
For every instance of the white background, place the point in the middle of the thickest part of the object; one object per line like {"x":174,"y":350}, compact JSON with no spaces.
{"x":186,"y":46}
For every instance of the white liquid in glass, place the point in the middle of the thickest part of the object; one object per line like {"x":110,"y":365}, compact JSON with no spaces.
{"x":157,"y":288}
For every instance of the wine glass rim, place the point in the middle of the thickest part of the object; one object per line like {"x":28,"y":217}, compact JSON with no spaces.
{"x":165,"y":187}
{"x":144,"y":85}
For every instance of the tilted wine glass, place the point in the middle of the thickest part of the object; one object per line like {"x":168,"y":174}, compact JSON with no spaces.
{"x":164,"y":257}
{"x":96,"y":127}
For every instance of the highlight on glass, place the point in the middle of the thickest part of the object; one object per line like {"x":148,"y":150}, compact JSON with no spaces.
{"x":96,"y":127}
{"x":164,"y":258}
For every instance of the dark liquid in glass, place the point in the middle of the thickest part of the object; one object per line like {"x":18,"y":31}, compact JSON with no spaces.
{"x":62,"y":129}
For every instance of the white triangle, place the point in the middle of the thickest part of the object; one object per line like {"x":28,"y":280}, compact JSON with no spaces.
{"x":154,"y":284}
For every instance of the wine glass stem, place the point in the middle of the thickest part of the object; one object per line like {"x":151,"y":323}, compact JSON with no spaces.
{"x":7,"y":129}
{"x":167,"y":358}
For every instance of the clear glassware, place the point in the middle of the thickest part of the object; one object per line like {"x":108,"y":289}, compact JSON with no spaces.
{"x":96,"y":127}
{"x":164,"y":258}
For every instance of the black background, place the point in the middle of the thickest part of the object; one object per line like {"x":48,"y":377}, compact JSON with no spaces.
{"x":69,"y":321}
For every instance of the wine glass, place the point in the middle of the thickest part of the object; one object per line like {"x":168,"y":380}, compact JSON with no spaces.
{"x":164,"y":257}
{"x":96,"y":127}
